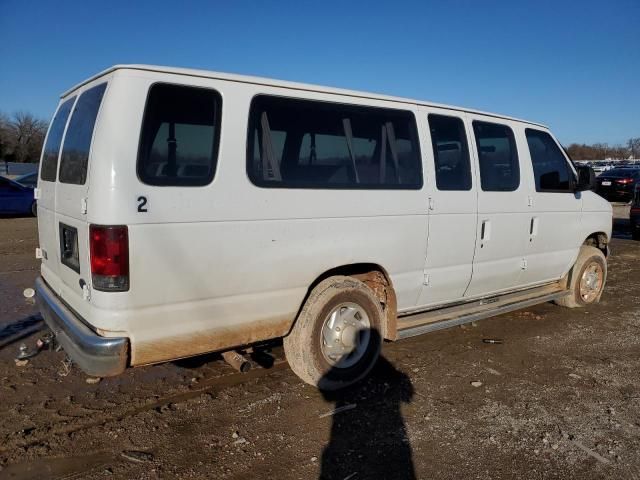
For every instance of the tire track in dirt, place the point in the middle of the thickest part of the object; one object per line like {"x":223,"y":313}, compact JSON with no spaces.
{"x":213,"y":386}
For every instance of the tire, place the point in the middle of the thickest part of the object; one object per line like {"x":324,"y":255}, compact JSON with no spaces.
{"x":582,"y":290}
{"x":307,"y":349}
{"x":635,"y":232}
{"x":34,"y":208}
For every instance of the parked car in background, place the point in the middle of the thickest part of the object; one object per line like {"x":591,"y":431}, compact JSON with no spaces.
{"x":28,"y":180}
{"x":600,"y":167}
{"x":16,"y":198}
{"x":634,"y":214}
{"x":618,"y":184}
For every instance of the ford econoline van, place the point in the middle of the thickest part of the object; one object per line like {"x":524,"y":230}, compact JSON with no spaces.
{"x":184,"y":211}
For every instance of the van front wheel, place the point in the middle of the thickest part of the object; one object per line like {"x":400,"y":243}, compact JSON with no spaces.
{"x":336,"y":339}
{"x":586,"y":279}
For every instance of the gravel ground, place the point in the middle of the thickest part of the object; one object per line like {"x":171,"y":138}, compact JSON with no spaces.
{"x":560,"y":398}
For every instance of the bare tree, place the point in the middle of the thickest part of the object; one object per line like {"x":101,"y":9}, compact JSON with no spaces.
{"x":634,"y":147}
{"x":4,"y":135}
{"x":26,"y":136}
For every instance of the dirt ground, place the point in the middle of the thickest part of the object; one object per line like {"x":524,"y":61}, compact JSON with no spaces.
{"x":560,"y":398}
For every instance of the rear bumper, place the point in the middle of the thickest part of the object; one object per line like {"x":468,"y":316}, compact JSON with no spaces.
{"x":96,"y":355}
{"x":614,"y":194}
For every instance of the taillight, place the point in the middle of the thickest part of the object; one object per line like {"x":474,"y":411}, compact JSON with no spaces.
{"x":635,"y":210}
{"x":624,"y":181}
{"x":109,"y":247}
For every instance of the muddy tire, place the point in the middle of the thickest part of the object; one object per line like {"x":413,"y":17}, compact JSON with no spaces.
{"x":336,"y":339}
{"x":586,"y":279}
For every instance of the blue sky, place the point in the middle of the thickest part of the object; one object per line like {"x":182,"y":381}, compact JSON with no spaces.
{"x":574,"y":66}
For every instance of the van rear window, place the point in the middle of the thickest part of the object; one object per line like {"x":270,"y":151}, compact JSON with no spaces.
{"x":179,"y":139}
{"x":77,"y":141}
{"x":296,"y":143}
{"x":52,"y":147}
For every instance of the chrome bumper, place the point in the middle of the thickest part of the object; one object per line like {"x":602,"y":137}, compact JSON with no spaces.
{"x":96,"y":355}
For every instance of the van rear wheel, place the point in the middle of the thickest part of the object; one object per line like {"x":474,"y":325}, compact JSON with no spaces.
{"x":586,"y":279}
{"x":336,"y":339}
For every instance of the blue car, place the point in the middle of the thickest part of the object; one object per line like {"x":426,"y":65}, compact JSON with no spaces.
{"x":16,"y":198}
{"x":28,"y":180}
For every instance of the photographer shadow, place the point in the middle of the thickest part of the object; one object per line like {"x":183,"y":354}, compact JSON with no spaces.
{"x":368,"y":435}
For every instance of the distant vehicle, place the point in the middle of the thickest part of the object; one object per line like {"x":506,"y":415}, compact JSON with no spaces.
{"x":634,"y":214}
{"x":600,"y":167}
{"x":28,"y":180}
{"x":16,"y":198}
{"x":618,"y":184}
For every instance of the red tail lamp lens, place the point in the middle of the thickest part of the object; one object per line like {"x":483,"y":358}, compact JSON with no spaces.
{"x":109,"y":246}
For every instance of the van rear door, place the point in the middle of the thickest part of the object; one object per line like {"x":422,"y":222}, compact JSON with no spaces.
{"x":71,"y":192}
{"x":46,"y":196}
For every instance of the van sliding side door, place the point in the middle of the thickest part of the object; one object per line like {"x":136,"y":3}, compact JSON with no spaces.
{"x":452,"y":204}
{"x":503,"y":207}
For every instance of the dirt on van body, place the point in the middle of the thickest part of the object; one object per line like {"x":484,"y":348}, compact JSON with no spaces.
{"x":557,"y":397}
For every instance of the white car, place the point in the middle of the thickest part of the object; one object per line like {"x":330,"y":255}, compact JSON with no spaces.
{"x":185,"y":211}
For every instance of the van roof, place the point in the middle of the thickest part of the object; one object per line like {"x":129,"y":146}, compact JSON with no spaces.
{"x":285,"y":84}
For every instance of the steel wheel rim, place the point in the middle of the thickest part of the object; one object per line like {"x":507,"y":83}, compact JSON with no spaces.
{"x":345,"y":336}
{"x":591,"y":282}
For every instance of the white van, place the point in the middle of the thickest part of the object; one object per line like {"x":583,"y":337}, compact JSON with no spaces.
{"x":184,"y":211}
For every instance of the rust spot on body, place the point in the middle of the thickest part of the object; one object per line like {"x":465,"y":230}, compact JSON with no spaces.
{"x":382,"y":289}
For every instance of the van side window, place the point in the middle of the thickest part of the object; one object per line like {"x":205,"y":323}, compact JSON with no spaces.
{"x":550,"y":167}
{"x":77,"y":141}
{"x":179,"y":139}
{"x":51,"y":149}
{"x":296,"y":143}
{"x":450,"y":153}
{"x":497,"y":156}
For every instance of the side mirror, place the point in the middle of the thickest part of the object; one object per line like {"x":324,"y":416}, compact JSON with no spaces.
{"x":586,"y":178}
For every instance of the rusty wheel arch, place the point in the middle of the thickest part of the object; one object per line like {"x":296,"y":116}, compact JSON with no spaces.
{"x":378,"y":280}
{"x":598,"y":240}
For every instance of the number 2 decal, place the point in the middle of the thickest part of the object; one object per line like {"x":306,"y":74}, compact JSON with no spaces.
{"x":142,"y":204}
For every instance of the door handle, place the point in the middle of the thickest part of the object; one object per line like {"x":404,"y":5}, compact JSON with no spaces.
{"x":485,"y":231}
{"x":533,"y":226}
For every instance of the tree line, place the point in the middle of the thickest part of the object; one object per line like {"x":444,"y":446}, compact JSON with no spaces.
{"x":21,"y":137}
{"x":602,"y":151}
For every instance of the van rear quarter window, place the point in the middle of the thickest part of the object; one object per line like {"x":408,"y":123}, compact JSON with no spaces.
{"x":179,"y":138}
{"x":77,"y":141}
{"x":49,"y":167}
{"x":294,"y":143}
